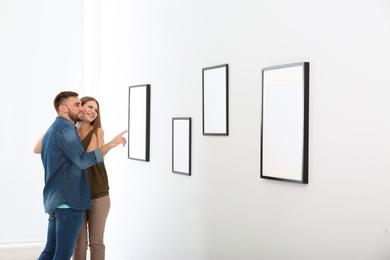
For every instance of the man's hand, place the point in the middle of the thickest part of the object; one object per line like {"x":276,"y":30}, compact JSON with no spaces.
{"x":119,"y":139}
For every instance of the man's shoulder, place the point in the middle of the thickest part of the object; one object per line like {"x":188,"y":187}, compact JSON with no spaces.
{"x":61,"y":123}
{"x":60,"y":126}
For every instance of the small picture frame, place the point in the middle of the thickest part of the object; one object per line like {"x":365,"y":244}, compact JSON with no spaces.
{"x":139,"y":122}
{"x":285,"y":123}
{"x":215,"y":100}
{"x":181,"y":145}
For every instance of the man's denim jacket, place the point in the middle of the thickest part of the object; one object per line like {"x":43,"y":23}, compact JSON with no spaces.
{"x":64,"y":161}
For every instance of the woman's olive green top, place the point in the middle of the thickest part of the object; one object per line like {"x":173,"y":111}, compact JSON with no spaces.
{"x":97,"y":174}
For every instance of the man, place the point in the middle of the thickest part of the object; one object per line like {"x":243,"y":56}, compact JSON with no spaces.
{"x":66,"y":193}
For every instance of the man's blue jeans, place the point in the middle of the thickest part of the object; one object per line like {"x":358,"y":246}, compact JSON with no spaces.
{"x":63,"y":230}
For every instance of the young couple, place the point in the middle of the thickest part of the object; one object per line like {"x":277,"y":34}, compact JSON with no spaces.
{"x":75,"y":195}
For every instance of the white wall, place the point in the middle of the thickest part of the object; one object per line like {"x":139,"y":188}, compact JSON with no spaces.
{"x":225,"y":211}
{"x":40,"y":55}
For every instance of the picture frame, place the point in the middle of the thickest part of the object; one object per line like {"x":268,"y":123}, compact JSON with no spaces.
{"x":215,"y":100}
{"x":285,"y":123}
{"x":181,"y":145}
{"x":139,"y":122}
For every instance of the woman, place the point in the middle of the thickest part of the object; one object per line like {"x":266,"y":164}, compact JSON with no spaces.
{"x":92,"y":134}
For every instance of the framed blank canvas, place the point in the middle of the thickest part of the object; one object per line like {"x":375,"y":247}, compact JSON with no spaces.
{"x":139,"y":122}
{"x":215,"y":100}
{"x":285,"y":123}
{"x":181,"y":145}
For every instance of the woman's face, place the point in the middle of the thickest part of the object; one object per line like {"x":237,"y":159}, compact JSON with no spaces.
{"x":90,"y":111}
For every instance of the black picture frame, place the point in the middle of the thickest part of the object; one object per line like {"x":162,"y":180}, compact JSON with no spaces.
{"x":285,"y":123}
{"x":139,"y":122}
{"x":181,"y":145}
{"x":215,"y":100}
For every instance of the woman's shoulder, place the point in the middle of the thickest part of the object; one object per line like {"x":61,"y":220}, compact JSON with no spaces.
{"x":99,"y":131}
{"x":99,"y":136}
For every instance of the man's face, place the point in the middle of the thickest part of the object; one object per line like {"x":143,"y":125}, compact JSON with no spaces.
{"x":75,"y":109}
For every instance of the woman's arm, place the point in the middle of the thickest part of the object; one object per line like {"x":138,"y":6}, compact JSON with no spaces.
{"x":100,"y":137}
{"x":38,"y":146}
{"x":96,"y":140}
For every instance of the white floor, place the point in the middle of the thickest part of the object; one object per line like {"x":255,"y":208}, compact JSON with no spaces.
{"x":31,"y":251}
{"x":21,"y":251}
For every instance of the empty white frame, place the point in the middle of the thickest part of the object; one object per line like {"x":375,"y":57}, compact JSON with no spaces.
{"x":181,"y":145}
{"x":285,"y":123}
{"x":139,"y":122}
{"x":215,"y":99}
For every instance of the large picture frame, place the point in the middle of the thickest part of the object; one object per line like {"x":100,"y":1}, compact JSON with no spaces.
{"x":139,"y":122}
{"x":181,"y":145}
{"x":285,"y":123}
{"x":215,"y":100}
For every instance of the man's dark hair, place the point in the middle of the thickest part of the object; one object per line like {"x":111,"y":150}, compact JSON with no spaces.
{"x":60,"y":98}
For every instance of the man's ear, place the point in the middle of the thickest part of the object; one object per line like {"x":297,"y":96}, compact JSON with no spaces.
{"x":63,"y":109}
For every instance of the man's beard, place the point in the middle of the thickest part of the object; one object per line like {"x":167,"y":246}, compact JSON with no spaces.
{"x":75,"y":117}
